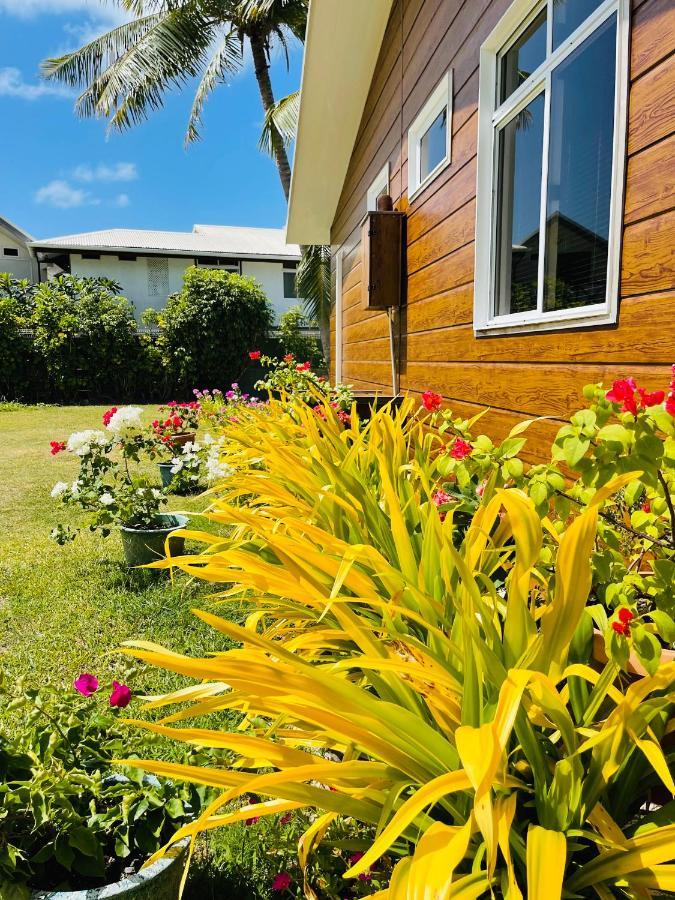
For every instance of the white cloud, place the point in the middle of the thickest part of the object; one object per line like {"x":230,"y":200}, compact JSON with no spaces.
{"x":121,"y":171}
{"x":61,"y":194}
{"x":122,"y":201}
{"x":13,"y":85}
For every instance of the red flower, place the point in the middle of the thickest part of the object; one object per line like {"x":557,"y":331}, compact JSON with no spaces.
{"x":626,"y":615}
{"x":623,"y":392}
{"x":303,"y":367}
{"x":57,"y":447}
{"x":646,"y":506}
{"x":176,"y":421}
{"x":621,"y":628}
{"x":655,"y":398}
{"x":120,"y":695}
{"x":431,"y":401}
{"x":86,"y":684}
{"x":460,"y":449}
{"x":289,"y":358}
{"x":320,"y":412}
{"x":353,"y":859}
{"x":253,"y":820}
{"x":107,"y":416}
{"x":345,"y":418}
{"x":281,"y":882}
{"x":286,"y":818}
{"x":254,"y":354}
{"x":670,"y":405}
{"x":440,"y":498}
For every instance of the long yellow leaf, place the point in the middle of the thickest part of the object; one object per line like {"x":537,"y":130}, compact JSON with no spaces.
{"x":546,"y":856}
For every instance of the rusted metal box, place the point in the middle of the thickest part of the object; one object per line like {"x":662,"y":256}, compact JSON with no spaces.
{"x":382,"y":243}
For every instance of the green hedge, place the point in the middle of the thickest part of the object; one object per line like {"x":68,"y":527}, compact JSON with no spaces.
{"x":73,"y":339}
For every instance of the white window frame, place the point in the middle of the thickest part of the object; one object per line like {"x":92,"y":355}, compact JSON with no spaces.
{"x":379,"y":185}
{"x":491,"y":115}
{"x":339,"y":257}
{"x":440,"y":98}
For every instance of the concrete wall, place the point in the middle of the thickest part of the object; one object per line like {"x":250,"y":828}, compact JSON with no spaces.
{"x":270,"y":276}
{"x":144,"y":281}
{"x":22,"y":266}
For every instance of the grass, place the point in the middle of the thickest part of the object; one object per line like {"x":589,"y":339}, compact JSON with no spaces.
{"x":64,"y":610}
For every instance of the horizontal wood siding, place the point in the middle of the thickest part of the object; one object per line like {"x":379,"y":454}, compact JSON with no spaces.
{"x":518,"y":375}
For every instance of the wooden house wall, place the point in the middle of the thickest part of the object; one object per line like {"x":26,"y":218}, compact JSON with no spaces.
{"x":527,"y":375}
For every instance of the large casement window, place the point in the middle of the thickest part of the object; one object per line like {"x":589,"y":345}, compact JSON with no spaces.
{"x":551,"y":151}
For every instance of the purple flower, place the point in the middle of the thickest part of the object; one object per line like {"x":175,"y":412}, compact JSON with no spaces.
{"x":86,"y":684}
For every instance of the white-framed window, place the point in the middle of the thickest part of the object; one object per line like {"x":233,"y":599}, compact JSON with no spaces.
{"x":379,"y":188}
{"x":551,"y":157}
{"x":290,"y":286}
{"x":430,"y":138}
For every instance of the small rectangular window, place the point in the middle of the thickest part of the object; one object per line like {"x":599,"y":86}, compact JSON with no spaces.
{"x":290,"y":288}
{"x":10,"y":251}
{"x":429,"y":138}
{"x":88,"y":255}
{"x":126,"y":257}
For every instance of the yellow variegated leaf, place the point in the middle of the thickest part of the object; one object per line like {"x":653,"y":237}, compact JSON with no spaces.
{"x":546,"y":859}
{"x":642,"y":852}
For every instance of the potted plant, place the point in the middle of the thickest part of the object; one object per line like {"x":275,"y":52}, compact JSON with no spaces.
{"x":195,"y":466}
{"x":177,"y":424}
{"x":70,"y":821}
{"x":110,"y":489}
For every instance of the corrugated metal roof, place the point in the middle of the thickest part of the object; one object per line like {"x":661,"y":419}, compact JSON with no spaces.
{"x":204,"y":240}
{"x":17,"y":232}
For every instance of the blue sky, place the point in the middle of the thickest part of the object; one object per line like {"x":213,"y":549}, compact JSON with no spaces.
{"x":60,"y":174}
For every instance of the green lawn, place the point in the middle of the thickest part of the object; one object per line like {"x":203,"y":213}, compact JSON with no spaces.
{"x":64,"y":610}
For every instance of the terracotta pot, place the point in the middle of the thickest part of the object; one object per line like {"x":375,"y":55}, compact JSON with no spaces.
{"x":635,"y":667}
{"x":185,"y":437}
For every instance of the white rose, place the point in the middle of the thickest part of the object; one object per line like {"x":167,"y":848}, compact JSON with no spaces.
{"x":126,"y":421}
{"x":59,"y":488}
{"x":80,"y":442}
{"x":107,"y":499}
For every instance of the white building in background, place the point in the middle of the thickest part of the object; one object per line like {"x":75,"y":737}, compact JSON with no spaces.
{"x":149,"y":265}
{"x":16,"y":256}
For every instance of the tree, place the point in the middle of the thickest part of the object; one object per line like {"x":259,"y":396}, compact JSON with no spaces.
{"x":125,"y":73}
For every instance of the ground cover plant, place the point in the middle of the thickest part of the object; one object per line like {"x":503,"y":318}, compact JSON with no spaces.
{"x":437,"y":683}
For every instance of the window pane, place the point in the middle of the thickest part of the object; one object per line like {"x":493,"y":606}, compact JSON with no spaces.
{"x":290,"y":292}
{"x":434,"y":145}
{"x":523,"y":57}
{"x":580,"y":173}
{"x":518,"y":209}
{"x":568,"y":15}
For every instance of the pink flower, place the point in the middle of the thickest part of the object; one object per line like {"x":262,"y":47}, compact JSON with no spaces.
{"x":480,"y":490}
{"x":345,"y":418}
{"x":57,"y":447}
{"x":254,"y":354}
{"x":253,"y":820}
{"x":107,"y":416}
{"x":289,"y":358}
{"x":431,"y":401}
{"x":120,"y":695}
{"x":623,"y":392}
{"x":460,"y":449}
{"x":320,"y":411}
{"x":86,"y":684}
{"x":281,"y":882}
{"x":303,"y":367}
{"x":440,"y":498}
{"x":655,"y":398}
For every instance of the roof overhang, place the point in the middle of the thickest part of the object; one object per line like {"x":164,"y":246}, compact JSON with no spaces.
{"x":106,"y":250}
{"x":343,"y":43}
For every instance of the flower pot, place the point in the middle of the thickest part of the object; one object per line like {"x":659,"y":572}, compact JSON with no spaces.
{"x":160,"y":881}
{"x":166,"y":474}
{"x":146,"y":545}
{"x":634,"y":667}
{"x":180,"y":440}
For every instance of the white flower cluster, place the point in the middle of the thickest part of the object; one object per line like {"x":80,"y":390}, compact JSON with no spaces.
{"x":81,"y":442}
{"x":61,"y":487}
{"x":202,"y":458}
{"x":126,"y":421}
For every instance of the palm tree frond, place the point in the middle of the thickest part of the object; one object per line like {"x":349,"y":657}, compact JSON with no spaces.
{"x":313,"y":281}
{"x":281,"y":123}
{"x":226,"y":59}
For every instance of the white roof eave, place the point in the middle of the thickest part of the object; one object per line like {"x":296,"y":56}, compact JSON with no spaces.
{"x":342,"y":47}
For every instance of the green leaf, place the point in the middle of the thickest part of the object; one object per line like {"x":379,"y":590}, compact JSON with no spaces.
{"x":84,"y":840}
{"x":574,"y":450}
{"x":664,"y":624}
{"x":174,"y":808}
{"x":615,"y":433}
{"x":64,"y":853}
{"x":647,"y":648}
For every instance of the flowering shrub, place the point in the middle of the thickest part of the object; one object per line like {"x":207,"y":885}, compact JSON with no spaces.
{"x":197,"y":464}
{"x":105,"y":486}
{"x":218,"y":408}
{"x":69,"y":819}
{"x":297,"y":378}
